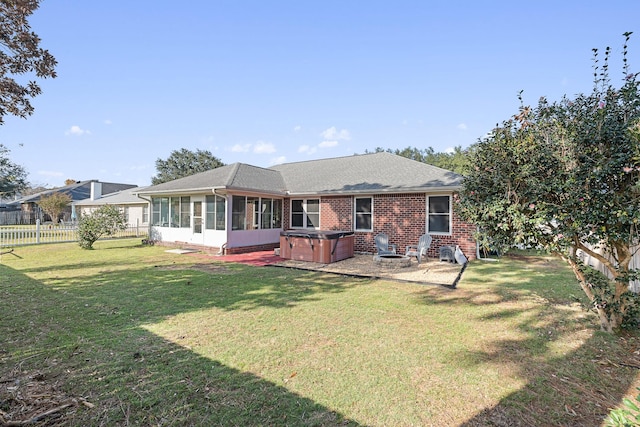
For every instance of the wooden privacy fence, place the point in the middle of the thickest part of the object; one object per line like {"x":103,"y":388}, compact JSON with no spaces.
{"x":634,"y":285}
{"x":19,"y":235}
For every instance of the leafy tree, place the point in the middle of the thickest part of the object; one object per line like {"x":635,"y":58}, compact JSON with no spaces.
{"x":20,"y":55}
{"x":457,"y":161}
{"x":69,"y":181}
{"x":104,"y":221}
{"x":183,"y":163}
{"x":34,"y":189}
{"x":564,"y":176}
{"x":54,"y":204}
{"x":13,"y":177}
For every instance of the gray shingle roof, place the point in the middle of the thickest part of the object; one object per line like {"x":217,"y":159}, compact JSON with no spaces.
{"x":78,"y":191}
{"x":359,"y":174}
{"x":237,"y":176}
{"x":367,"y":173}
{"x":126,"y":197}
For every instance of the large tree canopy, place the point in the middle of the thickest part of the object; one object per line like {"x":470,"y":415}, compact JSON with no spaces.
{"x":183,"y":163}
{"x":20,"y":55}
{"x":13,"y":177}
{"x":564,"y":176}
{"x":456,"y":161}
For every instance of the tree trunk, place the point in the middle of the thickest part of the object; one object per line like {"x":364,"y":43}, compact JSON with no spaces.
{"x":606,"y":324}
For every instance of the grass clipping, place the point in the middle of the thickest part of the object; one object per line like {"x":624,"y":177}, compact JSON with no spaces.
{"x":30,"y":398}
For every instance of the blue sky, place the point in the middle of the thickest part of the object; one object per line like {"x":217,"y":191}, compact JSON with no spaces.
{"x":266,"y":82}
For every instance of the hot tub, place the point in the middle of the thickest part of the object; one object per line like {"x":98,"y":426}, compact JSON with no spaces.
{"x":316,"y":245}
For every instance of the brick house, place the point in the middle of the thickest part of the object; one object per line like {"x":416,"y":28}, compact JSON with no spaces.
{"x":242,"y":208}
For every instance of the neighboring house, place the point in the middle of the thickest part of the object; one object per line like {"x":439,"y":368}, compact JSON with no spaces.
{"x":79,"y":190}
{"x":135,"y":209}
{"x":243,"y":208}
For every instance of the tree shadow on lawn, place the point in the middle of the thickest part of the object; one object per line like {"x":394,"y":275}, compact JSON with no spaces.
{"x":82,"y":337}
{"x":574,"y":374}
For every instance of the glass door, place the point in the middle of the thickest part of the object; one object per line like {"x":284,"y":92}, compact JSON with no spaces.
{"x":197,"y":217}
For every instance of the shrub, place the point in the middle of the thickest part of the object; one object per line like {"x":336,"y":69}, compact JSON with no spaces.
{"x":104,"y":221}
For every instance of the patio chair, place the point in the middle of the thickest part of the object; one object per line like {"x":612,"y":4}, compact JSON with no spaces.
{"x":419,"y":250}
{"x":383,"y":246}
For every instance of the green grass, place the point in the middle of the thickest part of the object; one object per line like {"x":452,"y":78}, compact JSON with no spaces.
{"x":138,"y":336}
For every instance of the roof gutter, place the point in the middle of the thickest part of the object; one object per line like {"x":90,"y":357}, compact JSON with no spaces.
{"x":441,"y":189}
{"x":177,"y":190}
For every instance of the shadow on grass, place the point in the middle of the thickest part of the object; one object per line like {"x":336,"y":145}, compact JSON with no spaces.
{"x":83,"y":334}
{"x":574,"y":375}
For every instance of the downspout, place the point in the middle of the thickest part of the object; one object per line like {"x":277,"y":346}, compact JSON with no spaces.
{"x":226,"y":205}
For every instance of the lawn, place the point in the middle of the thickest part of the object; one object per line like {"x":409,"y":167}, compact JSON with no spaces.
{"x":131,"y":335}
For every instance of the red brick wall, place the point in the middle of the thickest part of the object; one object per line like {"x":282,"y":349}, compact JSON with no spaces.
{"x":336,"y":213}
{"x":401,"y":216}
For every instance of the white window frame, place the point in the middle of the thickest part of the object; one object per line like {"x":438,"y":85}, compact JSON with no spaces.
{"x":355,"y":213}
{"x":211,"y":216}
{"x":256,"y":214}
{"x":305,"y":213}
{"x":449,"y":214}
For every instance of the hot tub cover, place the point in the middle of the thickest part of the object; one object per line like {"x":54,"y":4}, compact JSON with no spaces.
{"x":316,"y":234}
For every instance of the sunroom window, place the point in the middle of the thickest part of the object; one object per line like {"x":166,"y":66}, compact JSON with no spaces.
{"x":214,"y":208}
{"x":252,"y":213}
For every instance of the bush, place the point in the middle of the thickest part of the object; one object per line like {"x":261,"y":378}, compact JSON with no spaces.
{"x":628,"y":416}
{"x":104,"y":221}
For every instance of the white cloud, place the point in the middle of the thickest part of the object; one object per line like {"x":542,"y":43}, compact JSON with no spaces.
{"x":278,"y":160}
{"x":450,"y":150}
{"x":462,"y":126}
{"x":241,"y":148}
{"x":297,"y":128}
{"x":327,"y":144}
{"x":108,"y":122}
{"x":405,"y":122}
{"x":77,"y":130}
{"x":262,"y":147}
{"x":334,"y":134}
{"x":307,"y":149}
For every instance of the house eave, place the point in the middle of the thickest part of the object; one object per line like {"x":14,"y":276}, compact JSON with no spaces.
{"x":211,"y":190}
{"x":178,"y":191}
{"x":414,"y":190}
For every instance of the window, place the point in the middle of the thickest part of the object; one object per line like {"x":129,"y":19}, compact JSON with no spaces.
{"x":238,"y":212}
{"x":215,"y":217}
{"x":271,"y":213}
{"x":253,"y":213}
{"x":364,"y":213}
{"x":266,"y":211}
{"x":305,"y":213}
{"x":197,"y":217}
{"x":160,"y":213}
{"x":175,"y":211}
{"x":145,"y":214}
{"x":185,"y":212}
{"x":276,"y":218}
{"x":171,"y":212}
{"x":439,"y":214}
{"x":126,"y":213}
